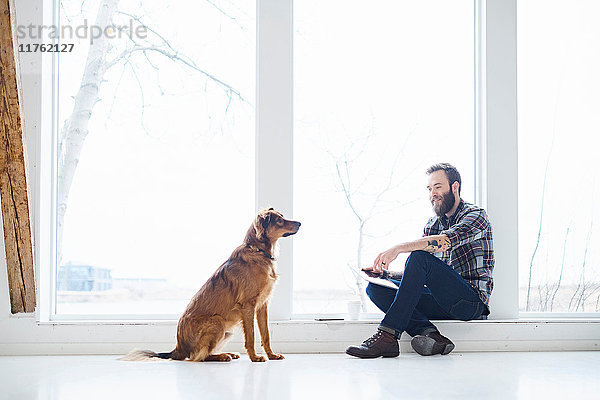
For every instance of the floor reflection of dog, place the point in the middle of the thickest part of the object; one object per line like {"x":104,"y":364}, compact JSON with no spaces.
{"x":239,"y":290}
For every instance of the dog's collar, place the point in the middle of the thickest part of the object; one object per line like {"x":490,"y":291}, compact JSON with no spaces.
{"x":254,"y":248}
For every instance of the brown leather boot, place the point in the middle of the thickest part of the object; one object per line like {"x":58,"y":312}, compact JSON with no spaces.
{"x":432,"y":343}
{"x":381,"y":344}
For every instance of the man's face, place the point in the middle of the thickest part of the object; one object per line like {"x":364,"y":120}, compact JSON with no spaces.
{"x":440,"y":194}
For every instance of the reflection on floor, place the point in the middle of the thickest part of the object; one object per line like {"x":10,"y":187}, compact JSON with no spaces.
{"x":570,"y":375}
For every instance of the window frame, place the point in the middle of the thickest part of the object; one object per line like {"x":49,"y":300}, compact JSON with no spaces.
{"x":496,"y":173}
{"x":47,"y":182}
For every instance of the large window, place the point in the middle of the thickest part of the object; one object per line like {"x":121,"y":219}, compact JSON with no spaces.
{"x":155,"y":150}
{"x":156,"y":146}
{"x":559,"y":192}
{"x":382,"y":90}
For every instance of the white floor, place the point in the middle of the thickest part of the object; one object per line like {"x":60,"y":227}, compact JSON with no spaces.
{"x":567,"y":375}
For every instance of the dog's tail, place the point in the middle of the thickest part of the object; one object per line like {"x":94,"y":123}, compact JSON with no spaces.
{"x":146,"y":355}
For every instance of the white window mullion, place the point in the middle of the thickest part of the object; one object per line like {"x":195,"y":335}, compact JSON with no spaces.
{"x":45,"y":240}
{"x":480,"y":105}
{"x":274,"y":121}
{"x":500,"y":152}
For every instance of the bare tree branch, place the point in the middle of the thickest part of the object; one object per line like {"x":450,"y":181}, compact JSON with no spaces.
{"x":346,"y":191}
{"x":537,"y":243}
{"x":112,"y":104}
{"x":580,"y":291}
{"x":143,"y":106}
{"x":176,"y":57}
{"x":386,"y":188}
{"x":562,"y":265}
{"x":171,"y":53}
{"x":343,"y":166}
{"x":591,"y":289}
{"x":82,"y":5}
{"x":219,"y":9}
{"x":584,"y":285}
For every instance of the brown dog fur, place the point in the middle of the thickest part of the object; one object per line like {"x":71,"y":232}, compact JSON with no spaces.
{"x":238,"y":291}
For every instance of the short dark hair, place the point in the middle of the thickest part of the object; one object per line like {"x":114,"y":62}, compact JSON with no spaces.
{"x":451,"y":173}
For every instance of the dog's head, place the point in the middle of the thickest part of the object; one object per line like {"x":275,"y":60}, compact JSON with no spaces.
{"x":270,"y":224}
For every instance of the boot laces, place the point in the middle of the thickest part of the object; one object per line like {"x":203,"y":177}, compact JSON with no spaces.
{"x":373,"y":338}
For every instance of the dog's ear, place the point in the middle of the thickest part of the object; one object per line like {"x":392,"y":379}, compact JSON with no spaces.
{"x":266,"y":220}
{"x":262,"y":222}
{"x":260,"y":225}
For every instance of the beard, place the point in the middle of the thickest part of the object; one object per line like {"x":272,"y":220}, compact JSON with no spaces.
{"x":446,"y":205}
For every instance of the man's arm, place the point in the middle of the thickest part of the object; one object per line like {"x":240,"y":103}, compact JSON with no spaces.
{"x":472,"y":226}
{"x":431,"y":244}
{"x":437,"y":243}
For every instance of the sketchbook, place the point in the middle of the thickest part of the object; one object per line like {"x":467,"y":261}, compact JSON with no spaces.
{"x":381,"y":279}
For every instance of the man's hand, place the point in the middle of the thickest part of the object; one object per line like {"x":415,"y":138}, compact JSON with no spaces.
{"x":384,"y":259}
{"x":431,"y":244}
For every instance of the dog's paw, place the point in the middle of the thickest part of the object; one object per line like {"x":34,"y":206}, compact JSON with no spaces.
{"x":258,"y":359}
{"x":275,"y":356}
{"x":225,"y":357}
{"x":234,"y":356}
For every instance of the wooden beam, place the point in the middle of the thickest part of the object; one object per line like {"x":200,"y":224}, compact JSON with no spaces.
{"x":13,"y":175}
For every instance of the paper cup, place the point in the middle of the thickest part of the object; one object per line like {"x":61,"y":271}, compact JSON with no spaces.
{"x":354,"y":307}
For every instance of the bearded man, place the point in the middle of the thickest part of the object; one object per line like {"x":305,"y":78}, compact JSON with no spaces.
{"x":448,"y":274}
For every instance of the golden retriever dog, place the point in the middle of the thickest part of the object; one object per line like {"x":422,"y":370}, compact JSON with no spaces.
{"x":238,"y":291}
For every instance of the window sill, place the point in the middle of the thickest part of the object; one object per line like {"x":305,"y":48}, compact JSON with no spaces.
{"x":26,"y":336}
{"x":305,"y":322}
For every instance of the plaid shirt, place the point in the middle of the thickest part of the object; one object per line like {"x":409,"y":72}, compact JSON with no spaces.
{"x":471,"y":253}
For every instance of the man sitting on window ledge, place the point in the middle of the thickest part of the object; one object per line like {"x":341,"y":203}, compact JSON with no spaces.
{"x":448,"y":274}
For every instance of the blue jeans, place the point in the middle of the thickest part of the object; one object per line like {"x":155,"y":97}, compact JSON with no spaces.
{"x":446,"y":296}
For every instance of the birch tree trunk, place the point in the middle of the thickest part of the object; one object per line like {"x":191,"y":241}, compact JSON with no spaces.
{"x":75,"y":130}
{"x":360,"y":283}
